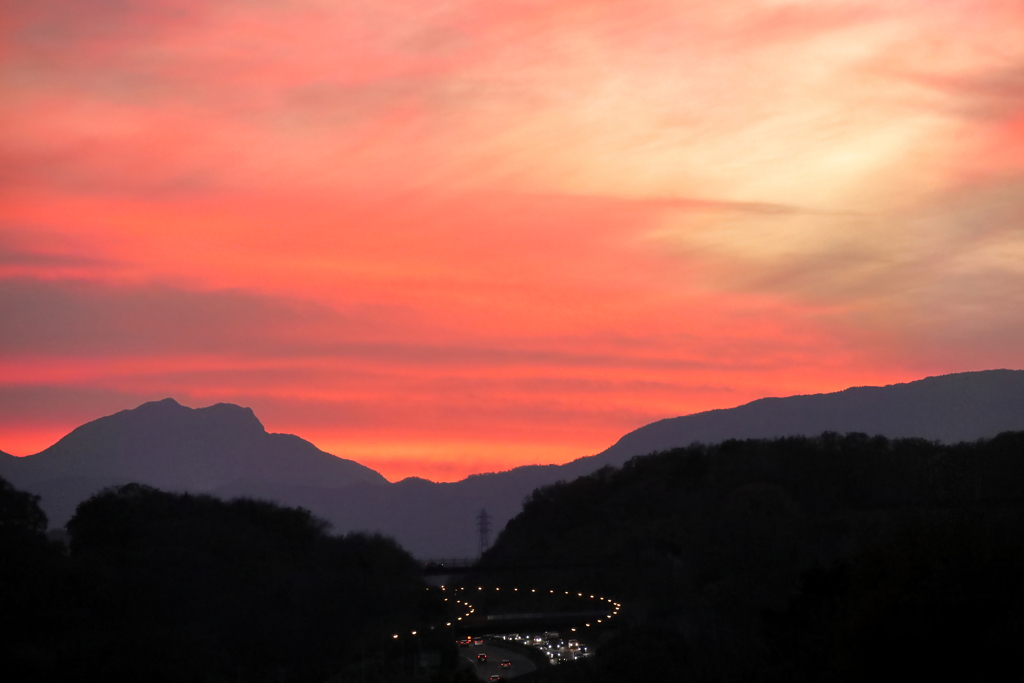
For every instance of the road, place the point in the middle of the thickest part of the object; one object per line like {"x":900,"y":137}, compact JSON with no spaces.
{"x":495,"y":653}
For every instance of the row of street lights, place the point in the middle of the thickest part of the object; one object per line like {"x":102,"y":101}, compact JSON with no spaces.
{"x":615,"y":606}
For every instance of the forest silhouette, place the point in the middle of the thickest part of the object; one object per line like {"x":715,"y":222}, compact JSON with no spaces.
{"x":836,"y":558}
{"x":156,"y":586}
{"x":832,"y":558}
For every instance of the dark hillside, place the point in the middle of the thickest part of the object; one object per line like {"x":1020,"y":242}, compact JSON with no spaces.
{"x":794,"y":559}
{"x":177,"y":587}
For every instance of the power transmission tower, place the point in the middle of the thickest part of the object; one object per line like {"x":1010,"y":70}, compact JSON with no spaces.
{"x":483,"y":524}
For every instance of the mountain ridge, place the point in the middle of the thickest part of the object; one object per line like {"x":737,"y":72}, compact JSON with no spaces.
{"x":438,"y":519}
{"x":176,"y":448}
{"x":978,"y":390}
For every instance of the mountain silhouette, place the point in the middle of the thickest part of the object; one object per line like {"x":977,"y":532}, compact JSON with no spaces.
{"x":224,"y":450}
{"x":948,"y":408}
{"x":176,"y":448}
{"x":437,"y":520}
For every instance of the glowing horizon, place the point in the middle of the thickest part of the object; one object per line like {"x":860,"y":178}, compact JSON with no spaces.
{"x":452,"y":237}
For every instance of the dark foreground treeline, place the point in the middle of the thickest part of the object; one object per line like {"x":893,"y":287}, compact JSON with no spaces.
{"x":838,"y":558}
{"x":154,"y":586}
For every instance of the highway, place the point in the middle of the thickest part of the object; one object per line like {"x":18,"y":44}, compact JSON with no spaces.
{"x":495,"y":653}
{"x":524,"y":610}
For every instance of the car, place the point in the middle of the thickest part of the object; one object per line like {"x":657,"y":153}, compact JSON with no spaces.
{"x":482,"y":657}
{"x":495,"y":677}
{"x":478,"y":641}
{"x":505,"y":664}
{"x":465,"y":642}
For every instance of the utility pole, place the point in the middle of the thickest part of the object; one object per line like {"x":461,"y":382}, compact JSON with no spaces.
{"x":483,"y":524}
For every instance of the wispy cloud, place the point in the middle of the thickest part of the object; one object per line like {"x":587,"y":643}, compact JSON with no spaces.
{"x":495,"y":217}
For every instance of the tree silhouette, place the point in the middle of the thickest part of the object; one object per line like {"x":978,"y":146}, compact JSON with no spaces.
{"x":30,"y":569}
{"x":170,"y":587}
{"x":841,"y":557}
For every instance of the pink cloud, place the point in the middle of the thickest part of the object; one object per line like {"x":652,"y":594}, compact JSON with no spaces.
{"x":408,"y":229}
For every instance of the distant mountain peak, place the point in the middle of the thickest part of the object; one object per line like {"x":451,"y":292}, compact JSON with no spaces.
{"x":242,"y":416}
{"x":168,"y":408}
{"x":174,"y":447}
{"x":164,"y":404}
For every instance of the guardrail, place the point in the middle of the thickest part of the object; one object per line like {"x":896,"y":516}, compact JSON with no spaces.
{"x":459,"y":562}
{"x":547,"y":615}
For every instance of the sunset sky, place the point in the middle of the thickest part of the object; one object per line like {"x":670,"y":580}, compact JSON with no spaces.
{"x":450,"y":237}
